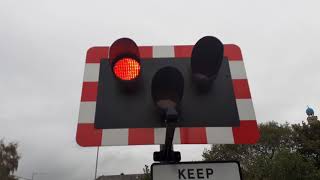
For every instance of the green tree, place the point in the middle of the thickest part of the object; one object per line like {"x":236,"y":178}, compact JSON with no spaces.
{"x":292,"y":165}
{"x":307,"y":137}
{"x":146,"y":173}
{"x":8,"y":160}
{"x":275,"y":156}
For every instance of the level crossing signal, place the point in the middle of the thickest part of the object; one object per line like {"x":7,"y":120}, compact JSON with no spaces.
{"x":130,"y":92}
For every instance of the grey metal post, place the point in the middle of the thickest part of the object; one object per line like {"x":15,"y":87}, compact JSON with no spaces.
{"x":95,"y":174}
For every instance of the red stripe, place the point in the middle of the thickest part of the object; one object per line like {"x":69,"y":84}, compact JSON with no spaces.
{"x":241,"y":88}
{"x":87,"y":135}
{"x":145,"y":51}
{"x":233,"y":52}
{"x":89,"y":91}
{"x":138,"y":136}
{"x":95,"y":54}
{"x":183,"y":51}
{"x":247,"y":133}
{"x":193,"y":135}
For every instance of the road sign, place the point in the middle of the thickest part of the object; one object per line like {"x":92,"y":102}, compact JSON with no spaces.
{"x":207,"y":101}
{"x":215,"y":170}
{"x":93,"y":131}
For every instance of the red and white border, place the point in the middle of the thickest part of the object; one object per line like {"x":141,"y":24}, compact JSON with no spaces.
{"x":87,"y":135}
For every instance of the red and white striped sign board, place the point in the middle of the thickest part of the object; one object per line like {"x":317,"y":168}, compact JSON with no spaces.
{"x":88,"y":135}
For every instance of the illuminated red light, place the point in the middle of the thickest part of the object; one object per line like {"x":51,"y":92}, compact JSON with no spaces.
{"x":126,"y":69}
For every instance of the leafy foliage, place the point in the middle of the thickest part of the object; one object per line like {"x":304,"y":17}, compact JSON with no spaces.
{"x":8,"y":160}
{"x":283,"y":152}
{"x":292,"y":165}
{"x":307,"y":138}
{"x":146,"y":173}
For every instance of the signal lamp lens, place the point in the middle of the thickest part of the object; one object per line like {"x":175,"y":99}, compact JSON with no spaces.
{"x":167,"y":87}
{"x":126,"y":69}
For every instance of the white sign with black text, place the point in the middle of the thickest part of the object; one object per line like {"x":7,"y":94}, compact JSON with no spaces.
{"x":215,"y":170}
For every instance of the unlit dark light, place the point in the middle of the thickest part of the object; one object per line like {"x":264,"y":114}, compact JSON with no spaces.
{"x":167,"y":87}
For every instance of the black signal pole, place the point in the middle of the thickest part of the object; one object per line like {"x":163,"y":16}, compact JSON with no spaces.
{"x":166,"y":153}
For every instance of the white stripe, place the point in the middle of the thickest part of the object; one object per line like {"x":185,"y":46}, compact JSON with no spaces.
{"x":160,"y":136}
{"x":176,"y":137}
{"x":163,"y":51}
{"x":91,"y":72}
{"x":87,"y":112}
{"x":219,"y":135}
{"x":115,"y":137}
{"x":245,"y":109}
{"x":238,"y":70}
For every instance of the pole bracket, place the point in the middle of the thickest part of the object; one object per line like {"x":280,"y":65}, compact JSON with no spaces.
{"x":166,"y":153}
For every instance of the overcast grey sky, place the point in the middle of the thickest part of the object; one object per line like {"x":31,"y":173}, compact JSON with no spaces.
{"x":42,"y":54}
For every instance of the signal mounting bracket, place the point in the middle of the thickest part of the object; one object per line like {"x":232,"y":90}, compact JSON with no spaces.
{"x":166,"y":153}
